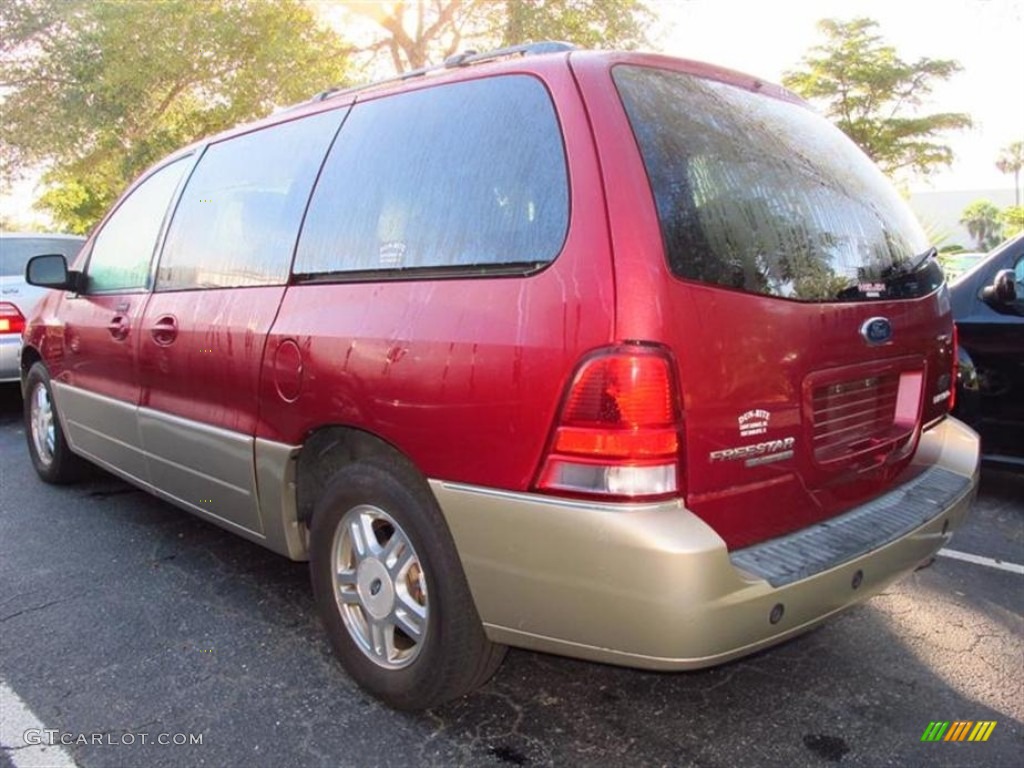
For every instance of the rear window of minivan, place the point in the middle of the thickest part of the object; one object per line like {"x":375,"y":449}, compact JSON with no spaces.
{"x":762,"y":195}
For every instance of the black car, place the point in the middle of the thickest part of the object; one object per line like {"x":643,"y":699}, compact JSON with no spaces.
{"x":988,"y":306}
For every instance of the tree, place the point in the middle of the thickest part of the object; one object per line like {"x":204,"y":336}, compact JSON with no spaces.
{"x":875,"y":97}
{"x":1012,"y":218}
{"x":415,"y":32}
{"x":587,"y":23}
{"x":9,"y":223}
{"x":412,"y":31}
{"x":981,"y":218}
{"x":1011,"y":160}
{"x":97,"y":90}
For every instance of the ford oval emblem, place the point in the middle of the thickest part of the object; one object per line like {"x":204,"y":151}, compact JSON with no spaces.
{"x":876,"y":330}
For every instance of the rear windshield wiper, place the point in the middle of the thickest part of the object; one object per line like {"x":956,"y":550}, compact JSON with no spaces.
{"x":886,"y":283}
{"x":912,"y":265}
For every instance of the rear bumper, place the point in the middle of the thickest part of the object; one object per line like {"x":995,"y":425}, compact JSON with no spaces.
{"x":652,"y":586}
{"x":10,"y":357}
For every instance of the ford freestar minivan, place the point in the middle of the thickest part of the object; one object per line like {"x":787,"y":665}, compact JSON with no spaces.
{"x":611,"y":355}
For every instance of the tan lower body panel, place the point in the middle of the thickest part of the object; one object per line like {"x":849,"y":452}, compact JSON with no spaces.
{"x":234,"y":481}
{"x":102,"y":429}
{"x":652,"y":585}
{"x":209,"y":469}
{"x":276,"y":465}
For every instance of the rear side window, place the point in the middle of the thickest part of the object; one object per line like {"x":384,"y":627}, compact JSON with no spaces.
{"x":239,"y":214}
{"x":765,"y":196}
{"x":451,"y":178}
{"x":123,"y":250}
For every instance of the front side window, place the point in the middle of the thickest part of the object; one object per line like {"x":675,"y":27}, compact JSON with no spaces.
{"x":239,"y":213}
{"x":764,"y":196}
{"x":454,"y":178}
{"x":123,"y":250}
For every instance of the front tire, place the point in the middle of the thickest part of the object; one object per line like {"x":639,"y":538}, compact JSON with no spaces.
{"x":390,"y":588}
{"x":47,"y":446}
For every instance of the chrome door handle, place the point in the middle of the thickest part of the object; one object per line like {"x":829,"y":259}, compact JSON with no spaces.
{"x":119,"y":327}
{"x":165,"y":330}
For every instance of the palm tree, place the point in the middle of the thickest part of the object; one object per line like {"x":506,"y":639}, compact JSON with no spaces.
{"x":981,"y":218}
{"x":1011,"y":160}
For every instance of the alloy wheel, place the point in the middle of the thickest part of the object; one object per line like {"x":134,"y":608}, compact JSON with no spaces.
{"x":41,"y":421}
{"x":380,"y":587}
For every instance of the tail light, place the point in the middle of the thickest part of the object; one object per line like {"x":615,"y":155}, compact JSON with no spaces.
{"x":618,"y":431}
{"x":11,"y":319}
{"x":953,"y":382}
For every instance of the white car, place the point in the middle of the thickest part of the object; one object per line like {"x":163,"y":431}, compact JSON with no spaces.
{"x":18,"y":298}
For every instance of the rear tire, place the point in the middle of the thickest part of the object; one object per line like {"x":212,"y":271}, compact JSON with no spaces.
{"x":47,"y":446}
{"x":390,"y":588}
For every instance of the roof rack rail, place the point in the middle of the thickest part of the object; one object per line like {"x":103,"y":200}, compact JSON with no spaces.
{"x":463,"y":59}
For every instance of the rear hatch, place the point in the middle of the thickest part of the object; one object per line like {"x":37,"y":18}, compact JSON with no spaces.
{"x":798,"y":295}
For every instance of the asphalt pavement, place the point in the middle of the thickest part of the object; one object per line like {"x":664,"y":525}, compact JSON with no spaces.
{"x":124,"y":620}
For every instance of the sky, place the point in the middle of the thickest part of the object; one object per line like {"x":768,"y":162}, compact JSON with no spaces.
{"x":768,"y":37}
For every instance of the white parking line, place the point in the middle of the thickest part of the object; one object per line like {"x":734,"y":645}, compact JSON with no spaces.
{"x":15,"y":720}
{"x":986,"y":561}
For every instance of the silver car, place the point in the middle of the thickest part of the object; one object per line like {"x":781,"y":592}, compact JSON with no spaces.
{"x":18,"y":298}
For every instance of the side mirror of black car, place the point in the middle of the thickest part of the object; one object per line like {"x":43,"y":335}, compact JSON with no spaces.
{"x":51,"y":271}
{"x":1002,"y":294}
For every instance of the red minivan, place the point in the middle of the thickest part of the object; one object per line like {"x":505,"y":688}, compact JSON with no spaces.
{"x":611,"y":355}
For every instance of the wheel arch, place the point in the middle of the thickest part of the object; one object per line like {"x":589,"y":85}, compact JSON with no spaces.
{"x":29,"y":357}
{"x":968,"y":388}
{"x":328,"y":449}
